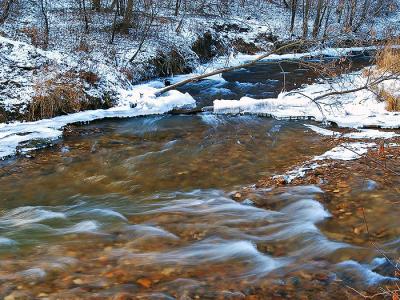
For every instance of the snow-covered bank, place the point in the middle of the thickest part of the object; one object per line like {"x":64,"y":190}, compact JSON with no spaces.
{"x":355,"y":110}
{"x":360,"y":134}
{"x":26,"y":65}
{"x":18,"y":136}
{"x":344,"y":151}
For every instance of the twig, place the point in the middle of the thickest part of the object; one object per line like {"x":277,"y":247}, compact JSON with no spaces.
{"x":374,"y":160}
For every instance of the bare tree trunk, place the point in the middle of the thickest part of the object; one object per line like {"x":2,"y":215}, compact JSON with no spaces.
{"x":82,"y":7}
{"x":146,"y":32}
{"x":363,"y":16}
{"x":5,"y":6}
{"x":317,"y":20}
{"x":43,"y":9}
{"x":127,"y":22}
{"x":306,"y":14}
{"x":339,"y":10}
{"x":293,"y":15}
{"x":114,"y":25}
{"x":96,"y":5}
{"x":177,"y":7}
{"x":328,"y":15}
{"x":351,"y":14}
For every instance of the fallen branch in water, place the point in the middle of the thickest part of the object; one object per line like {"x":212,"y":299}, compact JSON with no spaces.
{"x":227,"y":69}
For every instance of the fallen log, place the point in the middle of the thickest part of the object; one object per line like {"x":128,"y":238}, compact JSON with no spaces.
{"x":227,"y":69}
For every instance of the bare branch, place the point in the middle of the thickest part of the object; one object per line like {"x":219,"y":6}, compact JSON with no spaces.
{"x":228,"y":69}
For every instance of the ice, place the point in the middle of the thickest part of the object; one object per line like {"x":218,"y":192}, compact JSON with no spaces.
{"x":14,"y":134}
{"x":371,"y":134}
{"x":353,"y":110}
{"x":346,"y":151}
{"x":323,"y":131}
{"x":360,"y":134}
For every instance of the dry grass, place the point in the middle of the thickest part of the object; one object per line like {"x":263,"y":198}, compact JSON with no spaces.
{"x":388,"y":59}
{"x":83,"y":46}
{"x":89,"y":77}
{"x":128,"y":73}
{"x":392,"y":101}
{"x":36,"y":36}
{"x":388,"y":62}
{"x":55,"y":97}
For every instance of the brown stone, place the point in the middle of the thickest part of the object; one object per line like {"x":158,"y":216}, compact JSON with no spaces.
{"x":145,"y":282}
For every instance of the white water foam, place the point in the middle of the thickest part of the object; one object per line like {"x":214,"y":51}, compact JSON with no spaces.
{"x":355,"y":272}
{"x":81,"y":227}
{"x":28,"y":215}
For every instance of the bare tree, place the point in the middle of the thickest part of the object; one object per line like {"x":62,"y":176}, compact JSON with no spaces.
{"x":83,"y":11}
{"x":96,"y":5}
{"x":178,"y":4}
{"x":306,"y":14}
{"x":44,"y":10}
{"x":127,"y":21}
{"x":293,"y":8}
{"x":5,"y":10}
{"x":318,"y":18}
{"x":146,"y":30}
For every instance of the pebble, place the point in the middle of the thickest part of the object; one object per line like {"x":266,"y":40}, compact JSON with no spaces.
{"x":78,"y":281}
{"x":237,"y":196}
{"x":167,"y":271}
{"x":145,"y":282}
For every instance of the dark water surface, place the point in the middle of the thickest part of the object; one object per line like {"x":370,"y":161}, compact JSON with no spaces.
{"x":269,"y":78}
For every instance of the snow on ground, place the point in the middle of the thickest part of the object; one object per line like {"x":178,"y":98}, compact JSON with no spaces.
{"x":346,"y":151}
{"x":18,"y":136}
{"x":354,"y":110}
{"x":360,"y":134}
{"x":25,"y":67}
{"x":343,"y":151}
{"x":140,"y":99}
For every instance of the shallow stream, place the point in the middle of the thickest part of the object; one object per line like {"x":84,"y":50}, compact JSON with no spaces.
{"x":143,"y":206}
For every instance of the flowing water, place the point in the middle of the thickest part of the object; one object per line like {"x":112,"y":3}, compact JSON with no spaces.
{"x":143,"y":206}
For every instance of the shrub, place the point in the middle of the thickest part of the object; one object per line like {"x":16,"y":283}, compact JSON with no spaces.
{"x":33,"y":34}
{"x":392,"y":101}
{"x":388,"y":64}
{"x":128,"y":73}
{"x":388,"y":59}
{"x":170,"y":63}
{"x":83,"y":46}
{"x":56,"y":97}
{"x":89,"y":77}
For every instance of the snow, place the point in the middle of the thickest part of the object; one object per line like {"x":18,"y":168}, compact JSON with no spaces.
{"x":371,"y":134}
{"x":353,"y":110}
{"x":15,"y":135}
{"x":323,"y":131}
{"x":25,"y":65}
{"x":299,"y":172}
{"x":360,"y":134}
{"x":346,"y":151}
